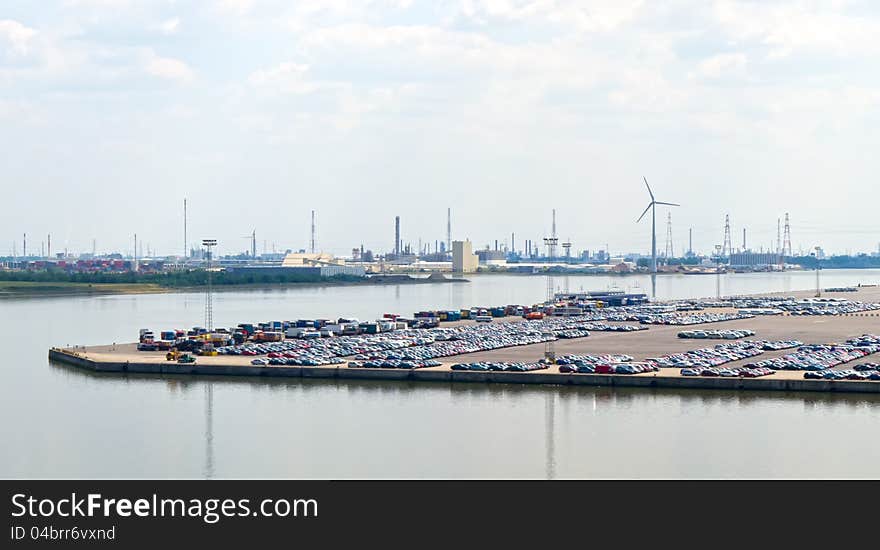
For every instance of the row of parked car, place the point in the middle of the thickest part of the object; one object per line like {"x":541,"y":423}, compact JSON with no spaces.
{"x":709,"y":357}
{"x":394,"y":364}
{"x":817,"y":357}
{"x":831,"y":374}
{"x":500,"y":366}
{"x":698,"y":318}
{"x":741,"y":372}
{"x":574,"y":359}
{"x":300,"y":361}
{"x":422,"y":344}
{"x":726,"y":334}
{"x":777,"y":345}
{"x":803,"y":306}
{"x":609,"y":368}
{"x":867,"y":367}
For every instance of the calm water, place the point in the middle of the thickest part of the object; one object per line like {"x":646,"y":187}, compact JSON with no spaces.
{"x":61,"y":422}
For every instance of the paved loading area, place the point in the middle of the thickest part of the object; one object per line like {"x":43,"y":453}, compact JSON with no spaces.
{"x":657,"y":340}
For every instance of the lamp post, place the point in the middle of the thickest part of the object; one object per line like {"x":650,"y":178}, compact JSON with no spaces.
{"x":718,"y":248}
{"x":209,"y":305}
{"x":816,"y":256}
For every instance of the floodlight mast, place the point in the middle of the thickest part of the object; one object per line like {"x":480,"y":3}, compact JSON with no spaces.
{"x":209,"y":299}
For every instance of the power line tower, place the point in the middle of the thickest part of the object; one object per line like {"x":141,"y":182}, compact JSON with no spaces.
{"x":312,"y":240}
{"x":727,"y":247}
{"x":550,"y":345}
{"x":669,"y":251}
{"x":209,"y":297}
{"x":786,"y":238}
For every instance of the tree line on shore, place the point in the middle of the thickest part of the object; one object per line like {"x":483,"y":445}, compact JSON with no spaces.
{"x":183,"y":278}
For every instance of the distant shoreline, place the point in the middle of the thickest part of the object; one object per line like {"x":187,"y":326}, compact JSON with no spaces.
{"x":28,"y":289}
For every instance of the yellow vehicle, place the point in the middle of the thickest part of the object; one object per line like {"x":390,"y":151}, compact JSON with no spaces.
{"x":172,"y":355}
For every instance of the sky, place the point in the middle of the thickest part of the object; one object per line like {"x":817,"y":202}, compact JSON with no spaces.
{"x":259,"y":111}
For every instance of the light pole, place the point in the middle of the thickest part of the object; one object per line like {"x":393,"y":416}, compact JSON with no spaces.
{"x":209,"y":306}
{"x":718,"y":248}
{"x":816,"y":255}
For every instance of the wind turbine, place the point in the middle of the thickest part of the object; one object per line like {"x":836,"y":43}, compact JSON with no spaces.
{"x":253,"y":239}
{"x":651,"y":206}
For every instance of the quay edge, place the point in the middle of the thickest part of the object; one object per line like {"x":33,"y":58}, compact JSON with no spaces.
{"x":431,"y":375}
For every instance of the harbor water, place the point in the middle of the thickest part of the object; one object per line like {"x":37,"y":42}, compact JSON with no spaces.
{"x":62,"y":422}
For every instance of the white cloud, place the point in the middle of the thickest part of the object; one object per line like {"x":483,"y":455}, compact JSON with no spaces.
{"x":16,"y":36}
{"x":790,"y":27}
{"x":169,"y":26}
{"x":584,"y":15}
{"x":236,"y":7}
{"x":169,"y":68}
{"x":723,"y":65}
{"x":285,"y":78}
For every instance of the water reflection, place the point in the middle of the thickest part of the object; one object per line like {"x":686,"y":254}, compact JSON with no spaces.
{"x":608,"y":395}
{"x":550,"y":434}
{"x":209,"y":430}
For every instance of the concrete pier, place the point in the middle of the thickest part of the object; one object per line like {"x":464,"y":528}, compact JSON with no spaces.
{"x":780,"y":381}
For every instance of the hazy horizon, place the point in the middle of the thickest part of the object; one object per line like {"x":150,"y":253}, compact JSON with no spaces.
{"x":259,"y":111}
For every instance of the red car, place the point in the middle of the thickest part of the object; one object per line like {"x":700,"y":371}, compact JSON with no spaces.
{"x":604,"y":368}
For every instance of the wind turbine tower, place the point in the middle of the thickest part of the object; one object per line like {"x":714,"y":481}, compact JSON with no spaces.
{"x":652,"y":207}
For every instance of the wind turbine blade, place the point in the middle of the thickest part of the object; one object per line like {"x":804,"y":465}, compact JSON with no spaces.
{"x":649,"y":188}
{"x":645,"y":212}
{"x":667,"y":203}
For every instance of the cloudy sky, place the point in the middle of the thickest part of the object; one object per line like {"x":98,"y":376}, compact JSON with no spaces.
{"x":258,"y":111}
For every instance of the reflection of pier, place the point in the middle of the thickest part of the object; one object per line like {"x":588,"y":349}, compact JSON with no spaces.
{"x":550,"y":435}
{"x":209,"y":430}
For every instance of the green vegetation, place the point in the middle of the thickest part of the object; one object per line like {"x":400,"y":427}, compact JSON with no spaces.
{"x":29,"y":288}
{"x":173,"y":279}
{"x":860,"y":261}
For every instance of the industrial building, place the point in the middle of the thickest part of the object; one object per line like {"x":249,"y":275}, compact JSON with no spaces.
{"x":753,"y":259}
{"x":319,"y":263}
{"x":492,"y":257}
{"x":463,"y":258}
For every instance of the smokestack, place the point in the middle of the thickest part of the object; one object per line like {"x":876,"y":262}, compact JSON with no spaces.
{"x":512,"y":244}
{"x":24,"y":246}
{"x":691,"y":240}
{"x":397,"y":235}
{"x":185,"y":245}
{"x":449,"y":229}
{"x":49,"y":245}
{"x":312,"y":240}
{"x":744,"y":239}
